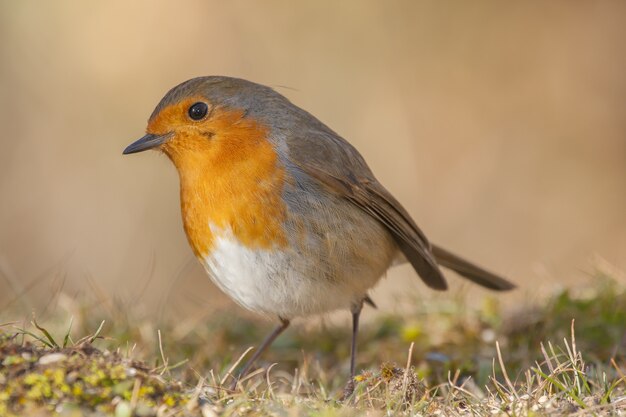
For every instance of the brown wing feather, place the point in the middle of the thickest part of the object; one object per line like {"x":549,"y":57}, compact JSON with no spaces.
{"x":470,"y":271}
{"x":374,"y":199}
{"x":336,"y":164}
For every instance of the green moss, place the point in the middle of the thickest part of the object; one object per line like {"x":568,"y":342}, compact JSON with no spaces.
{"x":12,"y":360}
{"x":84,"y":377}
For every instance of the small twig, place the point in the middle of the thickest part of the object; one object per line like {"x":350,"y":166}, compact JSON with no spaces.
{"x":192,"y":404}
{"x":270,"y":389}
{"x":369,"y":397}
{"x":574,"y":340}
{"x":163,"y":358}
{"x":176,"y":365}
{"x":215,"y":384}
{"x":405,"y":380}
{"x":617,"y":368}
{"x":455,"y":379}
{"x":135,"y":395}
{"x":252,"y":375}
{"x":454,"y":386}
{"x":546,"y":357}
{"x":369,"y":390}
{"x":232,"y":368}
{"x":504,"y":373}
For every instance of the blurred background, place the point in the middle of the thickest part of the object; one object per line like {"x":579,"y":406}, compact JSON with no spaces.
{"x":501,"y":128}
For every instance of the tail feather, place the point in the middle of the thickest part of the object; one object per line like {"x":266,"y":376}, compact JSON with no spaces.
{"x":470,"y":271}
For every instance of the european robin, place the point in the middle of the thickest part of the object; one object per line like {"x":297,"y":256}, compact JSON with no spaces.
{"x":283,"y":213}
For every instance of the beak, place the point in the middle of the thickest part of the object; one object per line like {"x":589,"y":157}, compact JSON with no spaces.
{"x":147,"y":142}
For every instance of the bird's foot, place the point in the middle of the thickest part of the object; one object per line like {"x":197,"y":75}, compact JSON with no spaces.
{"x":233,"y":385}
{"x":348,"y":390}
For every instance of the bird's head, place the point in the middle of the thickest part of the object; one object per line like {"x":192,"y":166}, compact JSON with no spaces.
{"x":218,"y":132}
{"x":211,"y":120}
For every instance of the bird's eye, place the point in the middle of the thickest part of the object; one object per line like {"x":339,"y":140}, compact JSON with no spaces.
{"x":198,"y":110}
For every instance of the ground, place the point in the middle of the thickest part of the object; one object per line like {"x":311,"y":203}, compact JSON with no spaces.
{"x":563,"y":357}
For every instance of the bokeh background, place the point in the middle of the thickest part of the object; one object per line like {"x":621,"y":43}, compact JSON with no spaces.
{"x":500,"y":126}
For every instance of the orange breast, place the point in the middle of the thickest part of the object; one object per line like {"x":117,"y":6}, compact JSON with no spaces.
{"x":230,"y":178}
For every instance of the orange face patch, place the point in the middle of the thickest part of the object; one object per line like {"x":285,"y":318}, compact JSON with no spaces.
{"x":230,"y":176}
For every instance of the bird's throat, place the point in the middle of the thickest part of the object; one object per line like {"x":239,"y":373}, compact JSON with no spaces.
{"x":232,"y":183}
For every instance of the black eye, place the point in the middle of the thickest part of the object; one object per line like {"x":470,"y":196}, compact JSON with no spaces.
{"x":198,"y":110}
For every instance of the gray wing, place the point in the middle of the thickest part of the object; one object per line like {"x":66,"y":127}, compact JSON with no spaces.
{"x":339,"y":167}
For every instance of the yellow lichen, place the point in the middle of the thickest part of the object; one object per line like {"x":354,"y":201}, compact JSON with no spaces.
{"x":145,"y":391}
{"x":118,"y":372}
{"x":77,"y":390}
{"x":169,"y":400}
{"x":40,"y":387}
{"x":86,"y":380}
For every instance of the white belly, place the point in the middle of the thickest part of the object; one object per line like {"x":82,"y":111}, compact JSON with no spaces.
{"x":278,"y":282}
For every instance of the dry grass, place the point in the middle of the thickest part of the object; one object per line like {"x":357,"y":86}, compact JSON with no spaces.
{"x":565,"y":357}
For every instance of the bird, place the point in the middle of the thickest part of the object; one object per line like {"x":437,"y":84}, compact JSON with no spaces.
{"x":283,"y":213}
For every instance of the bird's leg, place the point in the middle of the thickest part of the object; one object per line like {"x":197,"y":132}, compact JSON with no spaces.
{"x":284,"y":323}
{"x":356,"y":312}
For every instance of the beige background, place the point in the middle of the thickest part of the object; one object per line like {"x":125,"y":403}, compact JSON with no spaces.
{"x":501,"y":127}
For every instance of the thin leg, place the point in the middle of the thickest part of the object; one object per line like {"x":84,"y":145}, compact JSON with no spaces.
{"x":284,"y":323}
{"x":356,"y":312}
